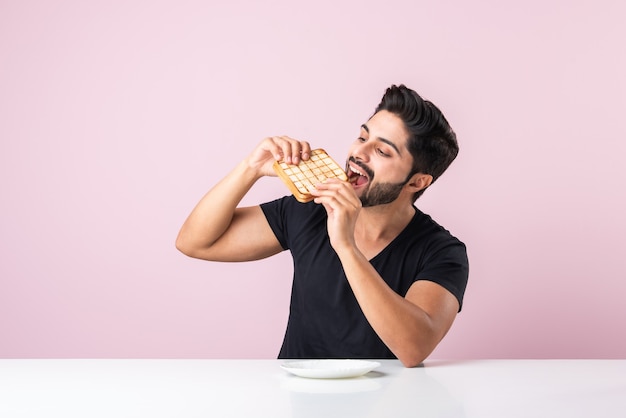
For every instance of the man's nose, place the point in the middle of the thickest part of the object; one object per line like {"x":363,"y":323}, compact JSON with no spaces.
{"x":361,"y":151}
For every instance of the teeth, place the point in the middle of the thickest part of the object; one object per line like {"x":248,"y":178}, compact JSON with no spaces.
{"x":357,"y":171}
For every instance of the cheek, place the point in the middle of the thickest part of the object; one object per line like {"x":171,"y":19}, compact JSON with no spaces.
{"x":392,"y":172}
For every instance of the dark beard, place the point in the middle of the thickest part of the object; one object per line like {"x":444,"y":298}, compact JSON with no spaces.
{"x":381,"y":194}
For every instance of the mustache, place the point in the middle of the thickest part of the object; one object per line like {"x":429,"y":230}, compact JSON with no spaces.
{"x":367,"y":170}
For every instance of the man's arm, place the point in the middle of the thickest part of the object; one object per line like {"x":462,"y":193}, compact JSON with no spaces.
{"x":411,"y":326}
{"x":217,"y":229}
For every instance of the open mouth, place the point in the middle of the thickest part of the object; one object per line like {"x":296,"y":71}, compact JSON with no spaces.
{"x":357,"y":176}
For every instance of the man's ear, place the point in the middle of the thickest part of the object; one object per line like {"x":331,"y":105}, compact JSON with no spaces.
{"x":419,"y":181}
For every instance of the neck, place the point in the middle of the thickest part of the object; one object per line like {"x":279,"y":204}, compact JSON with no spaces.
{"x":384,"y":222}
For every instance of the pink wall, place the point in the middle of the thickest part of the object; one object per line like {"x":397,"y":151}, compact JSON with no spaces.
{"x":116,"y":116}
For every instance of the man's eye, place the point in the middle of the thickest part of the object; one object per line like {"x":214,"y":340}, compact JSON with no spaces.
{"x":361,"y":139}
{"x":382,"y":153}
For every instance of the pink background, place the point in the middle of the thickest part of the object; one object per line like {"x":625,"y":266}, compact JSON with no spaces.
{"x":117,"y":116}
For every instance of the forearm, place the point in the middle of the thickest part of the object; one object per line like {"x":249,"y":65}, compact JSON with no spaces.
{"x":213,"y":214}
{"x":404,"y":327}
{"x":217,"y":229}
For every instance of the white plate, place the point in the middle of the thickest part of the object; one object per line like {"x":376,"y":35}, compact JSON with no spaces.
{"x":329,"y":369}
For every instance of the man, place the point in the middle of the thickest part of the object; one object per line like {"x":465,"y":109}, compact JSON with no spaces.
{"x":374,"y":277}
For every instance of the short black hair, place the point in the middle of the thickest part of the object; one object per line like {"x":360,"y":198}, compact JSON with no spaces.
{"x":431,"y":142}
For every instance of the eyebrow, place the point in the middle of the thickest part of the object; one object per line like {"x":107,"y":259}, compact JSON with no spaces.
{"x":386,"y":141}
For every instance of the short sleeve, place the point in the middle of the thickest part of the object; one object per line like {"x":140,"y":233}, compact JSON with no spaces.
{"x":448,"y":266}
{"x":273,"y":212}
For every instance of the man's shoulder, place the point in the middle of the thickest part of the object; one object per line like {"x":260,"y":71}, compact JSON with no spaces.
{"x":290,"y":214}
{"x":424,"y":227}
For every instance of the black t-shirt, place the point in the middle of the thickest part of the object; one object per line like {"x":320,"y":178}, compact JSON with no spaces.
{"x":325,"y":319}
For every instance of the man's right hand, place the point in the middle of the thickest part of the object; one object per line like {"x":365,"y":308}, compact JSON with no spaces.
{"x":277,"y":148}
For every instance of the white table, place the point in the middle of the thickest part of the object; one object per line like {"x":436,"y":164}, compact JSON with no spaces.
{"x":260,"y":388}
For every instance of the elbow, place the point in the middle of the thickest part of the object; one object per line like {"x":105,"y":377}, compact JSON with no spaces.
{"x":414,"y":354}
{"x":194,"y":249}
{"x":180,"y":246}
{"x":184,"y":246}
{"x":410,"y":361}
{"x":410,"y":364}
{"x":413,"y":351}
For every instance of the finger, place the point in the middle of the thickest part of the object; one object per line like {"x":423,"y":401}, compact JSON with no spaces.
{"x":296,"y":151}
{"x":272,"y":144}
{"x":331,"y":181}
{"x":306,"y":150}
{"x":290,"y":149}
{"x":336,"y":193}
{"x":300,"y":150}
{"x":339,"y":208}
{"x":334,"y":185}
